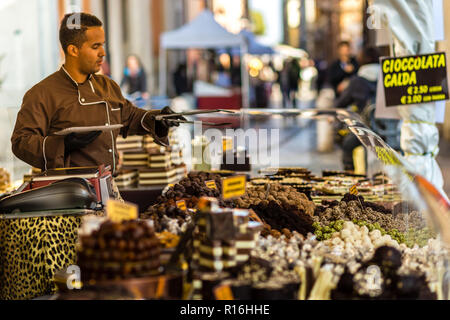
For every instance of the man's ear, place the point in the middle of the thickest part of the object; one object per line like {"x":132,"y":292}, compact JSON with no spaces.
{"x":72,"y":50}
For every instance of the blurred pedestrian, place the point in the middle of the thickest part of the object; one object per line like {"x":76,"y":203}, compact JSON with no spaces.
{"x":362,"y":86}
{"x":134,"y":78}
{"x":222,"y":76}
{"x":236,"y":80}
{"x":180,"y":79}
{"x":322,"y":73}
{"x":342,"y":69}
{"x":289,"y":82}
{"x":361,"y":92}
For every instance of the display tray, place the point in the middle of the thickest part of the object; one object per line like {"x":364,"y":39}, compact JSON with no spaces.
{"x":167,"y":287}
{"x":67,"y":131}
{"x":142,"y":196}
{"x":53,"y":213}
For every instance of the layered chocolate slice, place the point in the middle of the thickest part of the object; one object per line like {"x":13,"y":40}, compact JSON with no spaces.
{"x":157,"y":176}
{"x":126,"y":178}
{"x":135,"y":158}
{"x":130,"y":142}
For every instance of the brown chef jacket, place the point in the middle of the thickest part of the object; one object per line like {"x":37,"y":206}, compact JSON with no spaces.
{"x":58,"y":102}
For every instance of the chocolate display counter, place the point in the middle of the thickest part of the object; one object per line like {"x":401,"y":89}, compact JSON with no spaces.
{"x":292,"y":235}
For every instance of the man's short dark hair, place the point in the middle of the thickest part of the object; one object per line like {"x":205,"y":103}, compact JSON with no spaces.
{"x":73,"y":28}
{"x":343,"y":43}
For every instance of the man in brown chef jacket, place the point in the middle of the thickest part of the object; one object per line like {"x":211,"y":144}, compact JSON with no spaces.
{"x":75,"y":96}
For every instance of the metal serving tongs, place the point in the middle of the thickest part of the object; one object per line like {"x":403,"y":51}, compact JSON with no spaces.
{"x":202,"y":122}
{"x":191,"y":113}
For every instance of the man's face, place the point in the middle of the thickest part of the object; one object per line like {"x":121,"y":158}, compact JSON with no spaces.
{"x":92,"y":51}
{"x":344,"y":52}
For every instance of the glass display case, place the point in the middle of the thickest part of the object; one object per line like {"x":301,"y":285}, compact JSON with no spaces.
{"x":378,"y":232}
{"x":286,"y":149}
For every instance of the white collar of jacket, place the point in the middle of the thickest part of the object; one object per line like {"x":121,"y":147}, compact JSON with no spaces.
{"x":68,"y":74}
{"x":369,"y":71}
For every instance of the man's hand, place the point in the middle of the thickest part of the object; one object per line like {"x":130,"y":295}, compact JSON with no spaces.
{"x":342,"y":86}
{"x":349,"y":68}
{"x":162,"y":126}
{"x":76,"y":141}
{"x":166,"y":122}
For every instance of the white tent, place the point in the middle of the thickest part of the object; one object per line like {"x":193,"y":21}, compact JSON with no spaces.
{"x":202,"y":33}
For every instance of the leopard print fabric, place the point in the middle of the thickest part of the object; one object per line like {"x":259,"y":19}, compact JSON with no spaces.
{"x":31,"y":251}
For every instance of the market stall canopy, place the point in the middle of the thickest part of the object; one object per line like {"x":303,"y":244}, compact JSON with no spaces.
{"x":254,"y":47}
{"x":202,"y":32}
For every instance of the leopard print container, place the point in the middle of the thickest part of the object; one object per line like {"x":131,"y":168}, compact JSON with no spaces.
{"x":32,"y":250}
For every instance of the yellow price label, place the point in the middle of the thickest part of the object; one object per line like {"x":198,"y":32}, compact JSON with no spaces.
{"x":233,"y":187}
{"x":223,"y":293}
{"x":211,"y":184}
{"x":181,"y":204}
{"x":118,"y":211}
{"x":227,"y":143}
{"x":354,"y":190}
{"x":161,"y":287}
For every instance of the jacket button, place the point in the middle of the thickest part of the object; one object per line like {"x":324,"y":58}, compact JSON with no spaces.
{"x":83,"y":99}
{"x":110,"y":150}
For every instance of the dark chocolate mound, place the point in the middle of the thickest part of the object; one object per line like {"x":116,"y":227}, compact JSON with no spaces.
{"x":289,"y":217}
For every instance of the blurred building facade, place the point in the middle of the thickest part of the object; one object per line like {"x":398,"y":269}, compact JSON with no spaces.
{"x":134,"y":26}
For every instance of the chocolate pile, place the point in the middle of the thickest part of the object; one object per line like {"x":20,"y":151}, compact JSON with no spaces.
{"x":162,"y":212}
{"x":379,"y":278}
{"x":281,"y":208}
{"x":350,"y":210}
{"x":286,"y":218}
{"x":119,"y":250}
{"x":355,"y":264}
{"x":285,"y":196}
{"x":192,"y":187}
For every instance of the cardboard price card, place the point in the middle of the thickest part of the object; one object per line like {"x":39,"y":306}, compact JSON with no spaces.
{"x":354,"y":190}
{"x":118,"y":211}
{"x":211,"y":184}
{"x":415,"y":79}
{"x":181,"y":204}
{"x":227,"y":144}
{"x":223,"y":293}
{"x":233,"y":187}
{"x":160,"y":289}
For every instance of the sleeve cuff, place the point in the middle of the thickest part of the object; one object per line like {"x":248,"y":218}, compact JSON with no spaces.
{"x":53,"y":152}
{"x":155,"y":128}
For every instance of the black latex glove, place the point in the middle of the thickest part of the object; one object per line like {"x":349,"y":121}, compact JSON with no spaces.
{"x":162,"y":126}
{"x":76,"y":141}
{"x":166,"y":122}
